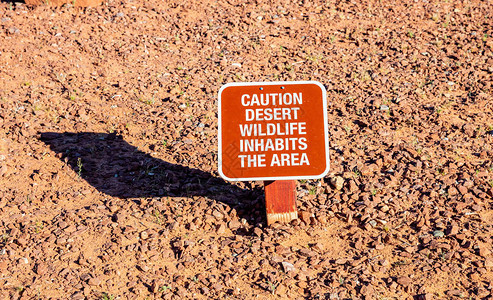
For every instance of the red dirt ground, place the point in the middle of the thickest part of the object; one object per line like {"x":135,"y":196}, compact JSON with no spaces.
{"x":108,"y":151}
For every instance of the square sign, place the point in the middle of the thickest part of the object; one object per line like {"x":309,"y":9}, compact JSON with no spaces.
{"x":273,"y":131}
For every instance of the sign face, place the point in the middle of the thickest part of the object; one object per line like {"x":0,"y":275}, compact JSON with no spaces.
{"x":273,"y":131}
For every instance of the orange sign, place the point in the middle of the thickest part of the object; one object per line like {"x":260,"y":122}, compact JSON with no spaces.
{"x":273,"y":131}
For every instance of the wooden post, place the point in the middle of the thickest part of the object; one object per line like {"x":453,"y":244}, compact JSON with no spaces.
{"x":280,"y":201}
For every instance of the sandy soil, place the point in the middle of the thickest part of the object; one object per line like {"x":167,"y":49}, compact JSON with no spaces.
{"x":108,"y":151}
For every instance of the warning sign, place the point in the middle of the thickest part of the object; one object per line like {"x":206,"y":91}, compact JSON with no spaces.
{"x":273,"y":131}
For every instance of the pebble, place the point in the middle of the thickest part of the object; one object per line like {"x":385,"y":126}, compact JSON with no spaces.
{"x":234,"y":224}
{"x":94,"y":281}
{"x":319,"y":247}
{"x":427,"y":296}
{"x":288,"y":267}
{"x":23,"y":260}
{"x":488,"y":263}
{"x":438,"y":233}
{"x":14,"y":30}
{"x":305,"y":216}
{"x":306,"y":253}
{"x":220,"y":229}
{"x":453,"y":230}
{"x":41,"y":268}
{"x":217,"y":214}
{"x":3,"y":170}
{"x":337,"y":182}
{"x":77,"y":296}
{"x":404,"y":280}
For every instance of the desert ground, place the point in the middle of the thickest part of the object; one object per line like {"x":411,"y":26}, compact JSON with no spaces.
{"x":109,"y":186}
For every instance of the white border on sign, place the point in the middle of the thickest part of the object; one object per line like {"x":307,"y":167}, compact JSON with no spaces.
{"x":326,"y":133}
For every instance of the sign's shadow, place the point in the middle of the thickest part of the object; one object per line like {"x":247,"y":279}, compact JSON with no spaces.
{"x":119,"y":169}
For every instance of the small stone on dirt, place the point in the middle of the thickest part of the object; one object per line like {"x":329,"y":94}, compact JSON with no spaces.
{"x":288,"y":267}
{"x":488,"y":263}
{"x":337,"y":182}
{"x":438,"y":233}
{"x":404,"y":280}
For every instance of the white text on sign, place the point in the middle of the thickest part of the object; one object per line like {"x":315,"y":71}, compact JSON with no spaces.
{"x":272,"y":132}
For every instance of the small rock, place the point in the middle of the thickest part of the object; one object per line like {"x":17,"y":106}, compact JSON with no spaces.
{"x":217,"y":214}
{"x":488,"y":263}
{"x":462,"y":189}
{"x":353,"y":187}
{"x":221,"y":229}
{"x":306,"y":253}
{"x":94,"y":281}
{"x":426,"y":296}
{"x":305,"y":216}
{"x":3,"y":170}
{"x":13,"y":30}
{"x":322,"y":219}
{"x":368,"y":170}
{"x":337,"y":182}
{"x":288,"y":267}
{"x":3,"y":266}
{"x":468,"y":129}
{"x":368,"y":291}
{"x":482,"y":293}
{"x":404,"y":280}
{"x":385,"y":208}
{"x":156,"y":285}
{"x":234,"y":224}
{"x":144,"y":235}
{"x":384,"y":107}
{"x":22,"y":241}
{"x":85,"y":277}
{"x":23,"y":261}
{"x":475,"y":277}
{"x":453,"y":230}
{"x":257,"y":231}
{"x":217,"y":286}
{"x":452,"y":191}
{"x":143,"y":268}
{"x":455,"y":292}
{"x":410,"y":249}
{"x":77,"y":296}
{"x":318,"y":247}
{"x":484,"y":251}
{"x":438,"y":233}
{"x":205,"y":290}
{"x":379,"y":246}
{"x":41,"y":268}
